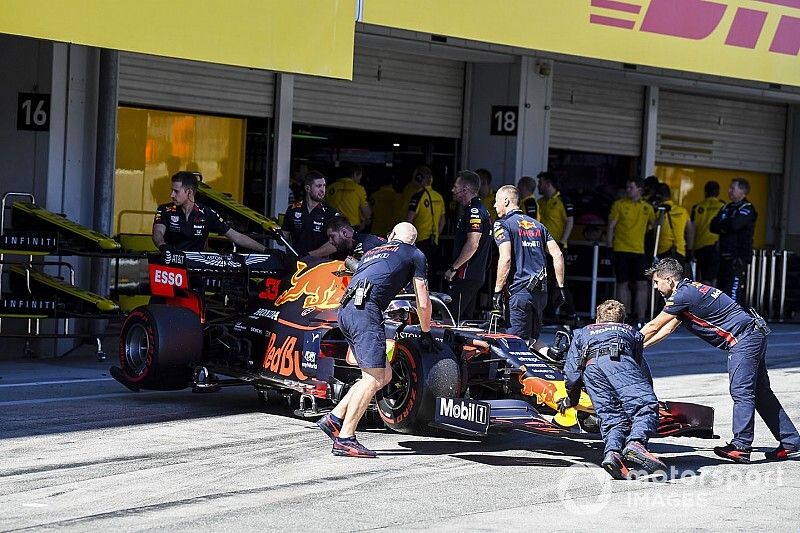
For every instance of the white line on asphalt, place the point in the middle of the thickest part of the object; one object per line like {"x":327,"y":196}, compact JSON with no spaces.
{"x":62,"y":382}
{"x":71,"y":398}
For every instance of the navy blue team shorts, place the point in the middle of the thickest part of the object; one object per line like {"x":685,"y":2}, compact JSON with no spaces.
{"x":363,"y":330}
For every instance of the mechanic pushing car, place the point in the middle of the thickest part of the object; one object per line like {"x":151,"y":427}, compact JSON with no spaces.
{"x":381,"y":274}
{"x":606,"y":357}
{"x":184,"y":224}
{"x":521,"y":267}
{"x":347,"y":241}
{"x":715,"y":317}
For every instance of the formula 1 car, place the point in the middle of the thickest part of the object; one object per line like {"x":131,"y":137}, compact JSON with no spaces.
{"x":269,"y":321}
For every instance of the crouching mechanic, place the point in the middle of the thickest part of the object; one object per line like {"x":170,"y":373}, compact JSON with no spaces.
{"x":349,"y":242}
{"x":380,"y":275}
{"x":715,"y":317}
{"x":606,"y":357}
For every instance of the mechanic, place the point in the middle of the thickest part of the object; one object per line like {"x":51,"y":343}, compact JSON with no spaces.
{"x":471,"y":247}
{"x":381,"y":274}
{"x":529,"y":205}
{"x":426,"y":212}
{"x":304,"y":221}
{"x":521,"y":267}
{"x":677,"y":231}
{"x":627,"y":223}
{"x":606,"y":358}
{"x":347,"y":241}
{"x":184,"y":224}
{"x":712,"y":315}
{"x":348,"y":196}
{"x":556,"y":213}
{"x":706,"y":252}
{"x":735,"y":224}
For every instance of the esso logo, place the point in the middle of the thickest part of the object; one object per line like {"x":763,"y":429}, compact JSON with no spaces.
{"x":168,"y":278}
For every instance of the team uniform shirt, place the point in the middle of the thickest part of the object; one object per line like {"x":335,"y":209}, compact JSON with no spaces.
{"x":474,"y":219}
{"x":632,"y":221}
{"x":735,"y":223}
{"x":408,"y":191}
{"x":528,"y":239}
{"x":307,"y":228}
{"x":530,"y":206}
{"x":347,"y":197}
{"x":385,"y":204}
{"x":673,"y":229}
{"x":709,"y":313}
{"x":553,"y":212}
{"x":702,"y":215}
{"x":429,"y":207}
{"x":364,"y":242}
{"x":189,"y":234}
{"x":389,"y":267}
{"x":592,"y":339}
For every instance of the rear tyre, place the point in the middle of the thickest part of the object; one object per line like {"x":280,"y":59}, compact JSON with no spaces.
{"x":407,"y":404}
{"x":157,"y":345}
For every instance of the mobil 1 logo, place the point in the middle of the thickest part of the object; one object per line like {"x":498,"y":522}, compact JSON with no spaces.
{"x":462,"y":415}
{"x":33,"y":112}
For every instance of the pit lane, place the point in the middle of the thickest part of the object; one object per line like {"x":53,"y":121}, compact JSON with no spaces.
{"x":80,"y":452}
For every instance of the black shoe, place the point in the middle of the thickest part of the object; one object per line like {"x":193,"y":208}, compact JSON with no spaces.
{"x":734,"y":453}
{"x":329,"y":426}
{"x":636,"y":454}
{"x":614,"y":465}
{"x":782,"y":454}
{"x":350,"y":447}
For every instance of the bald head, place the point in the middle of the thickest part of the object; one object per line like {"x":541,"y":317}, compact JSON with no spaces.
{"x":506,"y":199}
{"x":404,"y":231}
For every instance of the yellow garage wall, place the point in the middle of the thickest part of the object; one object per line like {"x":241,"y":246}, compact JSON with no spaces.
{"x":308,"y":36}
{"x":692,"y":35}
{"x":153,"y":145}
{"x":687,"y":189}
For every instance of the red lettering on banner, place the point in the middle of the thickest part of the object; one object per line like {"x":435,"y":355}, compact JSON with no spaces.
{"x":697,"y":19}
{"x":284,"y":359}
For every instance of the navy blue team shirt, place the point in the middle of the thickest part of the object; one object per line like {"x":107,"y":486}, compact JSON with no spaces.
{"x":389,"y":267}
{"x":528,"y":238}
{"x":475,"y":219}
{"x":708,"y":313}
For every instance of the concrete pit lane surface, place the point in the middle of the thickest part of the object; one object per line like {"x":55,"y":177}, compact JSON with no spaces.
{"x":82,"y":453}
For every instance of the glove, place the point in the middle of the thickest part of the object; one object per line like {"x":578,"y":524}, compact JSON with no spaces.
{"x":498,"y":304}
{"x":559,"y":297}
{"x":428,"y":343}
{"x":164,"y":248}
{"x":563,"y":404}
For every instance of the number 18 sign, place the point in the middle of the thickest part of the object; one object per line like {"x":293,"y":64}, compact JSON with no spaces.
{"x":504,"y":120}
{"x":33,"y":112}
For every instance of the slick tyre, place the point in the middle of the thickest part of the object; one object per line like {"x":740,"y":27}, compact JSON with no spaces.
{"x":157,"y":345}
{"x":407,"y":404}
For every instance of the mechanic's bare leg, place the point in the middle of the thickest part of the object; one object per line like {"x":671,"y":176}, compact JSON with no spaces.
{"x":355,"y":402}
{"x":642,"y":299}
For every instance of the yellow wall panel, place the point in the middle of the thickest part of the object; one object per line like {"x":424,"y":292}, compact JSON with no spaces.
{"x":153,"y":145}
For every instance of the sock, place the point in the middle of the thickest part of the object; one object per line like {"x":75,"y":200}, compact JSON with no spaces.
{"x":338,"y":421}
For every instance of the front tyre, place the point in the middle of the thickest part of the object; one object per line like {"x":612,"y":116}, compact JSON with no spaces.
{"x":157,"y":345}
{"x":408,"y":403}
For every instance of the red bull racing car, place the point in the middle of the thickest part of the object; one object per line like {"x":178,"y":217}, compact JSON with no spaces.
{"x":269,"y":321}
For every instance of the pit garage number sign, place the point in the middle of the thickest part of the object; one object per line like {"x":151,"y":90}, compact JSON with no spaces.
{"x":33,"y":112}
{"x":504,"y":120}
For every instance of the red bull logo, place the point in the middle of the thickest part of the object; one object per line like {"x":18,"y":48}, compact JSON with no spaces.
{"x":699,"y":19}
{"x":526,"y":224}
{"x":543,"y":390}
{"x":319,"y":284}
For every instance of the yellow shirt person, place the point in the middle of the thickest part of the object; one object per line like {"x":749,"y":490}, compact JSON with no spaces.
{"x":673,"y":229}
{"x":426,"y":208}
{"x":386,"y":209}
{"x":350,"y":199}
{"x":702,"y":214}
{"x":632,"y":218}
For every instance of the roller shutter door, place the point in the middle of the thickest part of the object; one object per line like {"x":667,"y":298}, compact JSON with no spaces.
{"x":596,"y":115}
{"x":720,"y":133}
{"x":390,"y":91}
{"x":166,"y":83}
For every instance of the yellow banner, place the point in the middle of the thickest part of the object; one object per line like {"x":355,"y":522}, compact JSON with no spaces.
{"x":308,"y":36}
{"x":748,"y":39}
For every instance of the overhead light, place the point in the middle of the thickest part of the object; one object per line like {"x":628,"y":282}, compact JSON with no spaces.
{"x":396,"y":145}
{"x":308,"y":136}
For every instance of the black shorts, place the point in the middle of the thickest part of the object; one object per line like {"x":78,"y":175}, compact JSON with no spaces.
{"x":707,"y":259}
{"x":629,"y":267}
{"x":363,"y":330}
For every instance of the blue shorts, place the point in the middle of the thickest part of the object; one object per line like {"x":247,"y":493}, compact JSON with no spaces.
{"x":363,"y":330}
